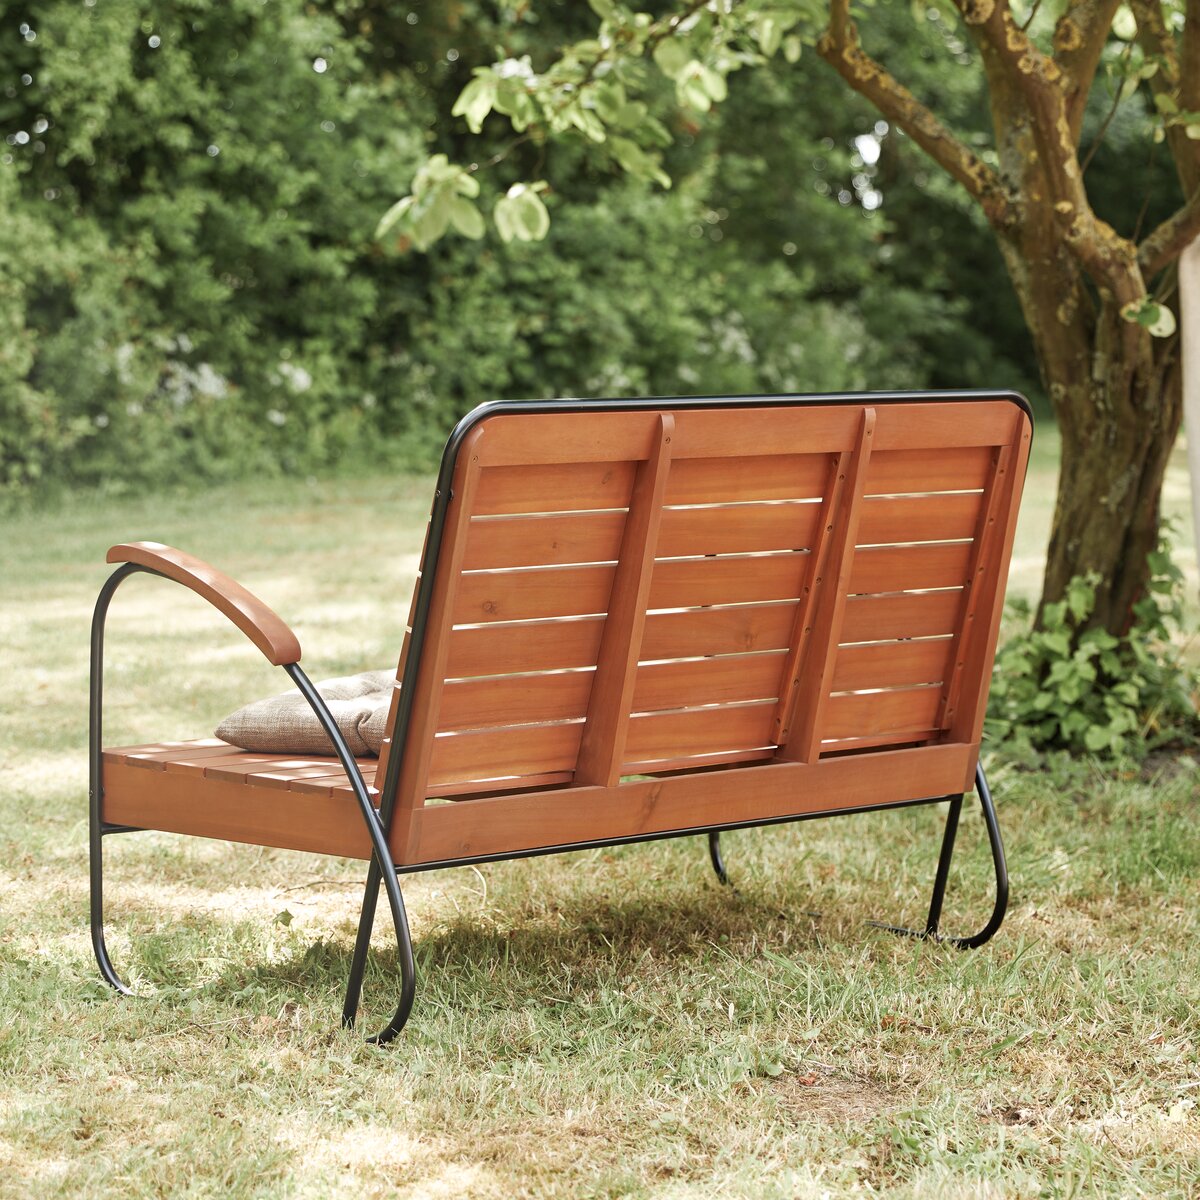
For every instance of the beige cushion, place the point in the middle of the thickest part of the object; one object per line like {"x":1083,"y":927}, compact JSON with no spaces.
{"x":287,"y":725}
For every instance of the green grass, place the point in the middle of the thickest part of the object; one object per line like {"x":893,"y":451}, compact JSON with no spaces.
{"x":606,"y":1024}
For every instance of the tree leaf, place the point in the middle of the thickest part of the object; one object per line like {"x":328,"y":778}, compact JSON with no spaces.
{"x":392,"y":216}
{"x":466,"y":218}
{"x":475,"y":101}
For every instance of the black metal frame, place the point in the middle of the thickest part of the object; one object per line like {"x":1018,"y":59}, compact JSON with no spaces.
{"x":378,"y":821}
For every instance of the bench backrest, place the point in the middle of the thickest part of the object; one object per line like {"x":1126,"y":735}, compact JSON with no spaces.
{"x":611,"y":589}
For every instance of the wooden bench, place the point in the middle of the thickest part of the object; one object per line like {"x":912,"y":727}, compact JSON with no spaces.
{"x":637,"y":619}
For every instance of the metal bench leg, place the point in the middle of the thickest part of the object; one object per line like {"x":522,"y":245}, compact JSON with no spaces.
{"x":714,"y":852}
{"x":932,"y":922}
{"x":96,"y":863}
{"x":381,"y":869}
{"x":404,"y":949}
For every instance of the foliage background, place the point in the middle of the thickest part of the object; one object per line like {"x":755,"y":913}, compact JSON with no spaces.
{"x":192,"y":290}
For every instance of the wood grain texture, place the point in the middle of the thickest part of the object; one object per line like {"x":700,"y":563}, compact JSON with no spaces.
{"x":800,"y":736}
{"x":602,"y":746}
{"x":554,"y":487}
{"x":758,"y":792}
{"x":262,"y":625}
{"x":728,"y":579}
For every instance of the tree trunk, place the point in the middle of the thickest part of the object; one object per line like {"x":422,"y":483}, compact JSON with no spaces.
{"x":1117,"y":397}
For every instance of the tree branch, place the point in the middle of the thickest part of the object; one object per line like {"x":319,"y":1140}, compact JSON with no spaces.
{"x":1169,"y":240}
{"x":1079,"y":38}
{"x":1109,"y":259}
{"x":1171,"y":80}
{"x":839,"y":46}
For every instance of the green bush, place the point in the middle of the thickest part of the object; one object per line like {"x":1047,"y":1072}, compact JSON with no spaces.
{"x":1068,"y":686}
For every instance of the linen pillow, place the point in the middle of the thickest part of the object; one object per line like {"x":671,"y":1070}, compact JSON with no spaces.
{"x":285,"y":724}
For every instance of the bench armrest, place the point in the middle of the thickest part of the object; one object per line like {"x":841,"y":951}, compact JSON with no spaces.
{"x":264,"y":627}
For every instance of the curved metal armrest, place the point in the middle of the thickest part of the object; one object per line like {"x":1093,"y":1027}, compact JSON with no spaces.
{"x":262,"y":625}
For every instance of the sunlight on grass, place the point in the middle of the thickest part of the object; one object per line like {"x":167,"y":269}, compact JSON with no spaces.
{"x":606,"y":1024}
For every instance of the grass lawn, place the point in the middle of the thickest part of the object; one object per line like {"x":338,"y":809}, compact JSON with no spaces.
{"x":605,"y":1024}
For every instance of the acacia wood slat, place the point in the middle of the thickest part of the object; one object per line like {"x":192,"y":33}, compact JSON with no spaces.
{"x":555,"y":487}
{"x":726,"y":679}
{"x":728,"y":579}
{"x":950,"y":469}
{"x":323,"y":823}
{"x":527,"y":439}
{"x":155,"y":755}
{"x":602,"y":747}
{"x":199,"y":762}
{"x":760,"y":792}
{"x":670,"y":735}
{"x":763,"y":432}
{"x":906,"y":615}
{"x":738,"y":528}
{"x":532,"y":594}
{"x":870,"y":714}
{"x":762,"y":477}
{"x":543,"y":540}
{"x":909,"y":568}
{"x":812,"y":592}
{"x":738,"y":629}
{"x":533,"y":646}
{"x":979,"y":651}
{"x":891,"y":664}
{"x":800,"y":730}
{"x":501,"y":699}
{"x":933,"y":518}
{"x":417,"y":750}
{"x":934,"y":426}
{"x":514,"y":750}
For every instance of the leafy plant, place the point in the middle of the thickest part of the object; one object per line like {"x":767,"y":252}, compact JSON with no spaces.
{"x":1074,"y":686}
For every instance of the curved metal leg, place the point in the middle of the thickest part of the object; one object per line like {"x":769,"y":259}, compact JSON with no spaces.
{"x":714,"y":853}
{"x":943,"y":873}
{"x":381,"y":869}
{"x":96,"y":828}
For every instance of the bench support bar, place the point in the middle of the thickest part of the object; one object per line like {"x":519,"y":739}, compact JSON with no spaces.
{"x":933,"y":921}
{"x":98,"y":829}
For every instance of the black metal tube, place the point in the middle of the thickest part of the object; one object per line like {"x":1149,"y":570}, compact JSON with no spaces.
{"x":96,"y":826}
{"x":943,"y":867}
{"x":382,"y":856}
{"x":714,"y":853}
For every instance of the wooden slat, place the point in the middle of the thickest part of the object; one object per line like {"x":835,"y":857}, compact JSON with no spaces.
{"x":424,"y":698}
{"x":532,"y":594}
{"x":155,"y":755}
{"x":536,"y":646}
{"x":763,"y":477}
{"x":935,"y":518}
{"x":735,"y":630}
{"x":537,"y":541}
{"x":760,"y":432}
{"x":555,"y":487}
{"x":949,"y":469}
{"x":943,"y":425}
{"x":671,"y":735}
{"x":728,"y":579}
{"x":891,"y":664}
{"x":602,"y":747}
{"x":488,"y":754}
{"x":966,"y":720}
{"x":725,"y":679}
{"x":503,"y":699}
{"x":910,"y":568}
{"x":869,"y":714}
{"x":761,"y":792}
{"x":799,"y":730}
{"x":520,"y":439}
{"x":737,"y":529}
{"x":321,"y":823}
{"x":907,"y":615}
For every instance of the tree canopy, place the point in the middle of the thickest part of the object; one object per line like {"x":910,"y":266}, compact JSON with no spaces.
{"x":1097,"y":299}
